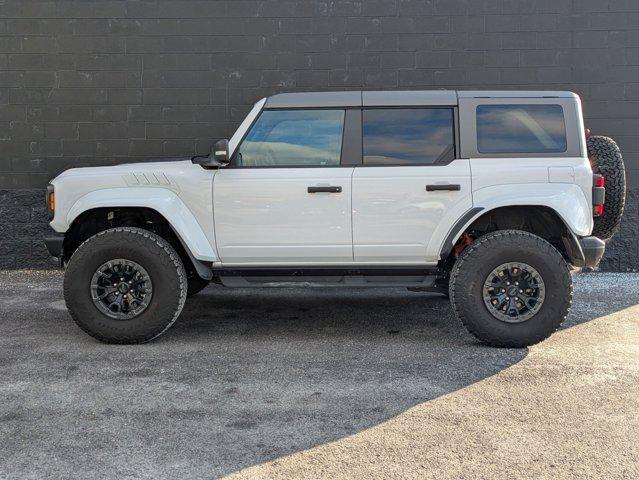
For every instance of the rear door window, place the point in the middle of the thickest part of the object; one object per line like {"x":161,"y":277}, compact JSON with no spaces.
{"x":408,"y":136}
{"x":521,"y":128}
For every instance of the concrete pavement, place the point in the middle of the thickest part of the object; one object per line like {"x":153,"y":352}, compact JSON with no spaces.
{"x":381,"y":383}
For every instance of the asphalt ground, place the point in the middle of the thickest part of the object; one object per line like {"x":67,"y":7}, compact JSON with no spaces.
{"x":326,"y":383}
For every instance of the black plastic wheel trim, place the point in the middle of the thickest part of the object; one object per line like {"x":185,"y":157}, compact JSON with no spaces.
{"x":121,"y":289}
{"x":514,"y":292}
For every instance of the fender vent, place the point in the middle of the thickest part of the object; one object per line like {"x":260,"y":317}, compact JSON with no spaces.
{"x":146,"y":178}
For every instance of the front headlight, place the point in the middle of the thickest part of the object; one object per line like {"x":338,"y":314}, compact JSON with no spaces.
{"x":51,"y":201}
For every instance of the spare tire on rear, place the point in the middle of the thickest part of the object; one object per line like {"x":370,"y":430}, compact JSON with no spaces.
{"x":606,"y":160}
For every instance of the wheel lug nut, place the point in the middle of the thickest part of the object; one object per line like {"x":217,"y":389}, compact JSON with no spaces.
{"x":516,"y":283}
{"x":521,"y":291}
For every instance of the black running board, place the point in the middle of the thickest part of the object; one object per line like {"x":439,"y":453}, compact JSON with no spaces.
{"x":329,"y":277}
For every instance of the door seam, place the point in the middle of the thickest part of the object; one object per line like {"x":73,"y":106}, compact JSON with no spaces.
{"x":352,"y":219}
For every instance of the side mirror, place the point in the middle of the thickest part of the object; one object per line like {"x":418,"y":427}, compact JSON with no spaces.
{"x":218,"y":157}
{"x":221,"y":151}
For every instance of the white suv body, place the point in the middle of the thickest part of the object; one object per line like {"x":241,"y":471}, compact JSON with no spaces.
{"x":383,"y":215}
{"x":352,"y":188}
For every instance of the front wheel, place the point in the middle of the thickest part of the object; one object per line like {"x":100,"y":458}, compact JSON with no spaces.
{"x":511,"y":288}
{"x":125,"y":285}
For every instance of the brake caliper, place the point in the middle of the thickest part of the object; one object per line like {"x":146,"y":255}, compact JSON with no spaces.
{"x":463,"y":243}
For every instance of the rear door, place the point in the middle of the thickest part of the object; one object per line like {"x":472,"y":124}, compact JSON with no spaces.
{"x":410,"y":187}
{"x":286,"y":197}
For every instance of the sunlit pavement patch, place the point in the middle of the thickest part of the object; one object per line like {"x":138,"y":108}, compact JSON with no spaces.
{"x":568,"y":410}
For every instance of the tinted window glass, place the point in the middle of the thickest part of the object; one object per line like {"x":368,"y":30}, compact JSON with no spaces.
{"x":521,"y":129}
{"x":408,"y":136}
{"x":294,"y":138}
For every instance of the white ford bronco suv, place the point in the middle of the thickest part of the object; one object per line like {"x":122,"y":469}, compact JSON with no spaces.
{"x":486,"y":196}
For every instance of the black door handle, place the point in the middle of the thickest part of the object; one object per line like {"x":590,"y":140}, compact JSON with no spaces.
{"x":324,"y":189}
{"x":454,"y":187}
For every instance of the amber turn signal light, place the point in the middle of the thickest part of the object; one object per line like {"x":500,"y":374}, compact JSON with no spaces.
{"x":50,"y":201}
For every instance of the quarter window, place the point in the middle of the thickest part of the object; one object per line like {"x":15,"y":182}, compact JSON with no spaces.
{"x":282,"y":138}
{"x":521,"y":129}
{"x":408,"y":136}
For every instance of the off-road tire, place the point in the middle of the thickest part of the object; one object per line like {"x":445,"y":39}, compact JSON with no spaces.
{"x":488,"y":252}
{"x":155,"y":255}
{"x":606,"y":160}
{"x":196,"y":284}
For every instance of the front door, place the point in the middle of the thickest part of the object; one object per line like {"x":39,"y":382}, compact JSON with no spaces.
{"x":285,"y":198}
{"x":410,"y":188}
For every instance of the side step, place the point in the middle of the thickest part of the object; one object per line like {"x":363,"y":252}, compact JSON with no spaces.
{"x":319,"y":277}
{"x":332,"y":281}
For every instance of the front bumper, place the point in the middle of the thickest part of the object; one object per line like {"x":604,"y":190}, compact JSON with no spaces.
{"x":54,"y":242}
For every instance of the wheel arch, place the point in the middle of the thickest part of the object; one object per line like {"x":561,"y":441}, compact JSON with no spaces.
{"x":94,"y":220}
{"x":541,"y":220}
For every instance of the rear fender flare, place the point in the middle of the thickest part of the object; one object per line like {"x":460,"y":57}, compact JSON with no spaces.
{"x":567,"y":200}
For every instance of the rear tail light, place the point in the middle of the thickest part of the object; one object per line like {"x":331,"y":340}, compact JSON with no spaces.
{"x":598,"y":195}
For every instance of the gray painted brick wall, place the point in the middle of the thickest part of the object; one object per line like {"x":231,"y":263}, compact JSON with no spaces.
{"x":102,"y":82}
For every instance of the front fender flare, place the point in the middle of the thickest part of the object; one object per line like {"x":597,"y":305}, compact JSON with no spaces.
{"x":164,"y":201}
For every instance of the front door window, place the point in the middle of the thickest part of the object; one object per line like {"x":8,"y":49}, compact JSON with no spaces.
{"x":293,"y":138}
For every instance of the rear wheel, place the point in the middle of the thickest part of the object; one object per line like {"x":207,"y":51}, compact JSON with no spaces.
{"x":607,"y":160}
{"x":125,"y":285}
{"x":511,"y":288}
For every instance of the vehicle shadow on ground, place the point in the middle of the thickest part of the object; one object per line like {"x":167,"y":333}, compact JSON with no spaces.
{"x":327,"y":364}
{"x":244,"y":377}
{"x":308,"y":367}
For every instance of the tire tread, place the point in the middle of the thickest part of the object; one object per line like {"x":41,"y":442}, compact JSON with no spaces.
{"x":606,"y":160}
{"x":167,"y":255}
{"x":496,"y":240}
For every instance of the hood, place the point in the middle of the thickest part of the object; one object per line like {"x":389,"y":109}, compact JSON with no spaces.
{"x":124,"y":168}
{"x":158,"y":161}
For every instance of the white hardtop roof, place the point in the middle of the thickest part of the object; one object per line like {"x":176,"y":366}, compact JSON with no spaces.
{"x":515,"y":94}
{"x":399,"y":97}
